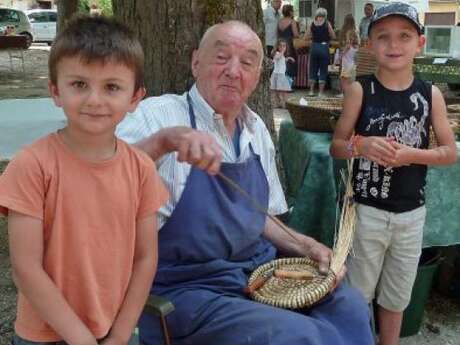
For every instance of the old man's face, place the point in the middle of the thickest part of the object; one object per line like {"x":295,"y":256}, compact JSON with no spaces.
{"x":227,"y":67}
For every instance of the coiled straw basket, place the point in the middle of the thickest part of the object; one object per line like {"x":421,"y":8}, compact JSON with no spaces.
{"x":292,"y":293}
{"x":316,"y":115}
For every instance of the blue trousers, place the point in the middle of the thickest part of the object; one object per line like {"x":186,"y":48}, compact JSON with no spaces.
{"x":319,"y":62}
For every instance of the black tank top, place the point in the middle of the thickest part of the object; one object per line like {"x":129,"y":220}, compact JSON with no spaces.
{"x":320,"y":34}
{"x":406,"y":116}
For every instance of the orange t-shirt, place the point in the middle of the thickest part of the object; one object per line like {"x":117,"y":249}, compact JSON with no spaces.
{"x":89,"y":212}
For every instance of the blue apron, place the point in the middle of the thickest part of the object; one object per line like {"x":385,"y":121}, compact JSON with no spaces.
{"x":207,"y":248}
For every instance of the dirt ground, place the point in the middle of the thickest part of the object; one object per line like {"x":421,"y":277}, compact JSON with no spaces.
{"x":441,"y":323}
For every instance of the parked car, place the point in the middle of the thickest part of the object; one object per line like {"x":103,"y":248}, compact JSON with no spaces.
{"x":43,"y":24}
{"x":11,"y":17}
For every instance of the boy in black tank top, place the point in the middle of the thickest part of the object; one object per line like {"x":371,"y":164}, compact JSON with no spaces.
{"x":385,"y":127}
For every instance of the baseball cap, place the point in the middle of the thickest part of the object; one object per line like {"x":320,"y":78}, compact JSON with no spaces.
{"x":397,"y":9}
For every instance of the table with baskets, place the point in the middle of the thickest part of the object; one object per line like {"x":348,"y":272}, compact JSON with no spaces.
{"x":312,"y":179}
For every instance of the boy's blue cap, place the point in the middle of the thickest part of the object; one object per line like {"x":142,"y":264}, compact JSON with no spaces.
{"x":397,"y":9}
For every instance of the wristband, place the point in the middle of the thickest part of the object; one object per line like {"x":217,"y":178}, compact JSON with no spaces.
{"x":352,"y":145}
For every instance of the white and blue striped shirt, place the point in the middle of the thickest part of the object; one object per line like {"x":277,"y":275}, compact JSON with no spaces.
{"x":170,"y":110}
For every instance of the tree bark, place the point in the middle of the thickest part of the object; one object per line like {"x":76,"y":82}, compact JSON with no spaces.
{"x":65,"y":10}
{"x":170,"y":30}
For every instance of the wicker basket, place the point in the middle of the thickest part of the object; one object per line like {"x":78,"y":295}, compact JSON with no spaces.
{"x":315,"y":116}
{"x":365,"y":62}
{"x":291,"y":293}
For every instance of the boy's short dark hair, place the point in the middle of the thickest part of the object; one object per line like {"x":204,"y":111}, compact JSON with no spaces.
{"x":98,"y":39}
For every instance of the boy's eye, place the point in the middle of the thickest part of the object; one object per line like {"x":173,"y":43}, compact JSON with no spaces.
{"x":79,"y":84}
{"x":112,"y":87}
{"x":405,"y":35}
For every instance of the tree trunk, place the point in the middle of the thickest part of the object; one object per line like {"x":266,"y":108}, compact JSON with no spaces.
{"x":170,"y":30}
{"x":65,"y":10}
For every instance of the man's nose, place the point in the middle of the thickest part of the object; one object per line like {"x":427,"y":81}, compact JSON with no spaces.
{"x":233,"y":68}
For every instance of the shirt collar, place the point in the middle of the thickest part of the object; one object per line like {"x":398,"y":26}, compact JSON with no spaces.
{"x":203,"y":110}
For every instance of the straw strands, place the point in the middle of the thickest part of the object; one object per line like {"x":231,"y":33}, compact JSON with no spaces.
{"x":346,"y":229}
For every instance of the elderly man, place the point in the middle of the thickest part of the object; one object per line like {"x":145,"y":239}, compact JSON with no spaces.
{"x":210,"y":237}
{"x":365,"y":21}
{"x":271,"y":18}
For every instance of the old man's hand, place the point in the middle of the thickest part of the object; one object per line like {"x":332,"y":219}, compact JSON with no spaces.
{"x":322,"y":254}
{"x":194,"y":147}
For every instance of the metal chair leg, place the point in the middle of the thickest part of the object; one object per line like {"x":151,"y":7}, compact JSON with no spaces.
{"x":164,"y":328}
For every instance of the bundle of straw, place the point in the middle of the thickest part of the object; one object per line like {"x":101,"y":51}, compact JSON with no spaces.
{"x":344,"y":234}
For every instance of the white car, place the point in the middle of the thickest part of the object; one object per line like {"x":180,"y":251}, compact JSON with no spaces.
{"x":43,"y":24}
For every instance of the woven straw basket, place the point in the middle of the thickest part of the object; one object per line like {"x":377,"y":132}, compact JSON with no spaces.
{"x":316,"y":116}
{"x":295,"y":293}
{"x":291,"y":293}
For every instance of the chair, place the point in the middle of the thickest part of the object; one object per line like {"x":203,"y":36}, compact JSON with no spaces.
{"x":160,"y":307}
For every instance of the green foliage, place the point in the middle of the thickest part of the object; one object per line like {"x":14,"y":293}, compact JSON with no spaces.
{"x":105,"y":5}
{"x":83,"y":6}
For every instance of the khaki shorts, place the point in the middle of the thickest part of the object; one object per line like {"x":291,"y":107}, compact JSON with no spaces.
{"x":384,"y":258}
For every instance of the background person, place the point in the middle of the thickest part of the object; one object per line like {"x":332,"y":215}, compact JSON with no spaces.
{"x":279,"y":83}
{"x":210,"y":237}
{"x":320,"y":33}
{"x":271,"y":18}
{"x":365,"y":21}
{"x":288,"y":29}
{"x":349,"y":44}
{"x":391,"y":113}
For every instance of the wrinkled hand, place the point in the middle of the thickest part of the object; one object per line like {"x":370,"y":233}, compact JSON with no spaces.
{"x":195,"y":147}
{"x":378,"y":149}
{"x":322,"y":254}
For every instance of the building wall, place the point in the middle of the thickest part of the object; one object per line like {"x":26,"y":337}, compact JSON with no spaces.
{"x":446,"y":6}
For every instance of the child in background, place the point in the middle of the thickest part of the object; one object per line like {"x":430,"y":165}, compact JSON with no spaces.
{"x":349,"y":44}
{"x":81,"y":204}
{"x":279,"y":83}
{"x":390,"y":114}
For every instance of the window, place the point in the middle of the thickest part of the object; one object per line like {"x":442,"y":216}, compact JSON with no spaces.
{"x":305,"y":8}
{"x":53,"y":17}
{"x":39,"y":17}
{"x":9,"y":16}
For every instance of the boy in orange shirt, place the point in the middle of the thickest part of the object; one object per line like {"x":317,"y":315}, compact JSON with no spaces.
{"x":81,"y":203}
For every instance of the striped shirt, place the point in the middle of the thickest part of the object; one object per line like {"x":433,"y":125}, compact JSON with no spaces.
{"x":170,"y":110}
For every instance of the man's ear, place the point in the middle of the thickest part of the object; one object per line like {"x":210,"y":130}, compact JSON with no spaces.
{"x":195,"y":63}
{"x":137,"y":97}
{"x":54,"y":93}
